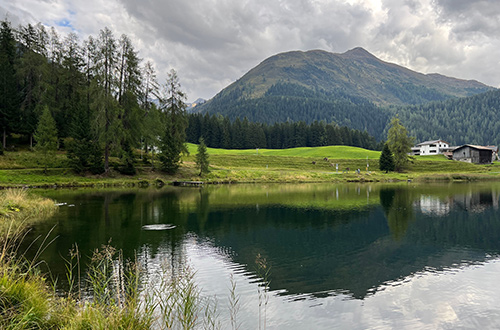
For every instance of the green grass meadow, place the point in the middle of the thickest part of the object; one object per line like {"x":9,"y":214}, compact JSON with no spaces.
{"x":24,"y":168}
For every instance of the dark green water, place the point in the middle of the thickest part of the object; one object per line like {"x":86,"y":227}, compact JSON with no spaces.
{"x":341,"y":256}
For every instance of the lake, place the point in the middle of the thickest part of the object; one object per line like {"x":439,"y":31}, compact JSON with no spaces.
{"x":338,"y":256}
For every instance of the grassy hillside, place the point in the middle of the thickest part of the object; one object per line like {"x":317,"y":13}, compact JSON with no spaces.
{"x":333,"y":152}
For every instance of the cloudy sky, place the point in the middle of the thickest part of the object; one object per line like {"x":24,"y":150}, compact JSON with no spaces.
{"x":211,"y":43}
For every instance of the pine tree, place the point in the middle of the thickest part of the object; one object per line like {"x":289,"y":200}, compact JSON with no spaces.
{"x":202,"y":158}
{"x":386,"y":161}
{"x":399,"y":143}
{"x":46,"y":137}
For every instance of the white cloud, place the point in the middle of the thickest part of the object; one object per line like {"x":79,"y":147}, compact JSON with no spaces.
{"x":214,"y":42}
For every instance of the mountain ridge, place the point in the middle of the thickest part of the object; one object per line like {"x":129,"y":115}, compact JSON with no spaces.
{"x":356,"y":73}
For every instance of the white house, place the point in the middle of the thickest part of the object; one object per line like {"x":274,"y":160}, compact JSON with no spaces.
{"x":427,"y":148}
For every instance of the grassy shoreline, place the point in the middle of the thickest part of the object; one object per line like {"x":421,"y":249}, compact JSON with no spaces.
{"x":19,"y":210}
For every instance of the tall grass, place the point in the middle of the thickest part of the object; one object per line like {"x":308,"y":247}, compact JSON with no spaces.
{"x":116,"y":295}
{"x":26,"y":301}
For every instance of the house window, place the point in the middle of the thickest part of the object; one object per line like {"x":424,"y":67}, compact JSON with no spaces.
{"x":432,"y":146}
{"x":432,"y":151}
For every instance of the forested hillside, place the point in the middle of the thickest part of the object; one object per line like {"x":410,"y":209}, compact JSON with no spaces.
{"x":291,"y":102}
{"x":474,"y":120}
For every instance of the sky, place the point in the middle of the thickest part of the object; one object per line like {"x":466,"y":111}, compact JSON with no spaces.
{"x":212,"y":43}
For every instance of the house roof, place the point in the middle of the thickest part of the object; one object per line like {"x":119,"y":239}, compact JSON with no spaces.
{"x":474,"y":147}
{"x":431,"y":142}
{"x":494,"y":148}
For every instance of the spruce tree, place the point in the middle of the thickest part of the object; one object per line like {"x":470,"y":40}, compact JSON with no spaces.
{"x":46,"y":137}
{"x":202,"y":158}
{"x":386,"y":161}
{"x":83,"y":150}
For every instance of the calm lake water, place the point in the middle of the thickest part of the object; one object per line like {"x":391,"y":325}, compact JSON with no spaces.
{"x":347,"y":256}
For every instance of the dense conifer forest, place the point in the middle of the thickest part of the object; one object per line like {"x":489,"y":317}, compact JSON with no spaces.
{"x":473,"y":120}
{"x":220,"y":132}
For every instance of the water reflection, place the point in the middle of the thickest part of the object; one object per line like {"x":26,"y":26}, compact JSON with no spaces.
{"x":397,"y":204}
{"x":320,"y":240}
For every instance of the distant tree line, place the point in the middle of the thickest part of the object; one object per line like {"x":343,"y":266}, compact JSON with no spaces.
{"x":220,"y":132}
{"x":98,"y":92}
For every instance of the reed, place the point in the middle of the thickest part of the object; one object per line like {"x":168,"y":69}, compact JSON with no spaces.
{"x":263,"y":271}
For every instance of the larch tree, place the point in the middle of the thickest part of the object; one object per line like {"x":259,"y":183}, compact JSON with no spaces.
{"x":174,"y":109}
{"x":103,"y":86}
{"x":131,"y":114}
{"x":152,"y":115}
{"x":30,"y":70}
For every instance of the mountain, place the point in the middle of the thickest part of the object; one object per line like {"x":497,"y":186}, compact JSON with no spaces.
{"x":191,"y":106}
{"x":355,"y":73}
{"x":352,"y":89}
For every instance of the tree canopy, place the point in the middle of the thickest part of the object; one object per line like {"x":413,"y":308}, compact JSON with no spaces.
{"x":202,"y":157}
{"x":399,"y":143}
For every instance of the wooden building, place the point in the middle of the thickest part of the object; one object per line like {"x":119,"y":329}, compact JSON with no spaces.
{"x":473,"y":154}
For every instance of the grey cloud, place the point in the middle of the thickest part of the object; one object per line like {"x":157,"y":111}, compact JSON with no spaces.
{"x":470,"y":17}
